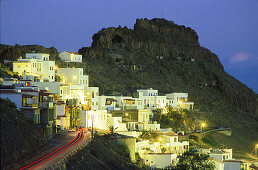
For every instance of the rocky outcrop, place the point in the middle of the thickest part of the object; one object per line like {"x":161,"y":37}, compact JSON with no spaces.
{"x":173,"y":50}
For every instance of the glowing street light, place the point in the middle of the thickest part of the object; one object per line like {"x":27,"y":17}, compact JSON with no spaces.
{"x":74,"y":77}
{"x":203,"y":125}
{"x":126,"y":114}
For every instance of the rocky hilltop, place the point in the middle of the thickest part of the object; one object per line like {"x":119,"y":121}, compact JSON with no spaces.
{"x":174,"y":54}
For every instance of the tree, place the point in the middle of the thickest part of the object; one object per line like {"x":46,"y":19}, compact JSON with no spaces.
{"x":157,"y":115}
{"x":176,"y":116}
{"x":194,"y":161}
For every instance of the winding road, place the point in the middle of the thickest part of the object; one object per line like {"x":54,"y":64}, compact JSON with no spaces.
{"x":57,"y":155}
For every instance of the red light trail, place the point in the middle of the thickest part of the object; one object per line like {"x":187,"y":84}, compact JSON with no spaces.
{"x":78,"y":137}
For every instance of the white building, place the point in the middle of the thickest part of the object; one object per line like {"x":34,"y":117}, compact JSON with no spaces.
{"x":10,"y":81}
{"x":91,"y":97}
{"x":150,"y":99}
{"x":169,"y":141}
{"x":116,"y":123}
{"x":96,"y":117}
{"x":70,"y":56}
{"x":25,"y":100}
{"x":235,"y":164}
{"x":36,"y":66}
{"x":149,"y":127}
{"x":221,"y":155}
{"x":73,"y":76}
{"x":159,"y":160}
{"x":73,"y":83}
{"x":219,"y":165}
{"x":63,"y":119}
{"x":179,"y":100}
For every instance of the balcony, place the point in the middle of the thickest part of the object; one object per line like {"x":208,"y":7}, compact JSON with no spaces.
{"x":29,"y":106}
{"x":46,"y":104}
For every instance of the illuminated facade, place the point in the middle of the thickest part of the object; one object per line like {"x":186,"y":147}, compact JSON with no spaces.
{"x":70,"y":56}
{"x":36,"y":67}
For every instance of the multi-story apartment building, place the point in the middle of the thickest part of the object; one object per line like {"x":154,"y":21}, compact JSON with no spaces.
{"x":28,"y":103}
{"x":91,"y":98}
{"x":74,"y":107}
{"x":36,"y":66}
{"x":179,"y":100}
{"x":47,"y":105}
{"x":63,"y":116}
{"x":169,"y":141}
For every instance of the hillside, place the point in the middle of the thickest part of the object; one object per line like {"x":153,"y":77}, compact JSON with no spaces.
{"x":162,"y":55}
{"x":19,"y":135}
{"x":102,"y":154}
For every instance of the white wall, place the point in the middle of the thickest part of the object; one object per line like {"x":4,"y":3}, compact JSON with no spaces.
{"x":73,"y":76}
{"x":70,"y":57}
{"x":53,"y":87}
{"x":14,"y":97}
{"x":39,"y":56}
{"x":99,"y":119}
{"x":60,"y":109}
{"x":159,"y":160}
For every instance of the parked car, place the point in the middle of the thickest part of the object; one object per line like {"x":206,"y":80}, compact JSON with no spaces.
{"x":181,"y":133}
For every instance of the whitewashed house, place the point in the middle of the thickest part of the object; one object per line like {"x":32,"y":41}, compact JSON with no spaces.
{"x":159,"y":160}
{"x":95,"y":118}
{"x":73,"y":83}
{"x":36,"y":67}
{"x":91,"y":97}
{"x":169,"y":141}
{"x":236,"y":164}
{"x":150,"y":99}
{"x":70,"y":56}
{"x":179,"y":100}
{"x":63,"y":119}
{"x":73,"y":76}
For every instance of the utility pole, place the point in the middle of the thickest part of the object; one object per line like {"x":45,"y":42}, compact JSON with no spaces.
{"x":92,"y":133}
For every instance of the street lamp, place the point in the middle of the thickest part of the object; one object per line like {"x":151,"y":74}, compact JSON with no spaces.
{"x":256,"y":149}
{"x":202,"y":126}
{"x":126,"y":114}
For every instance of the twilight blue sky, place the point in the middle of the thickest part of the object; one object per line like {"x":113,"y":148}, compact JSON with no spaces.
{"x":228,"y":28}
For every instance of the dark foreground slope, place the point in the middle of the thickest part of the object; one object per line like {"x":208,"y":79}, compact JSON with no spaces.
{"x":162,"y":55}
{"x":19,"y":135}
{"x":101,"y":154}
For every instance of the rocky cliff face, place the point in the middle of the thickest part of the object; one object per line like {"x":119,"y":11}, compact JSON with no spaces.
{"x":175,"y":52}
